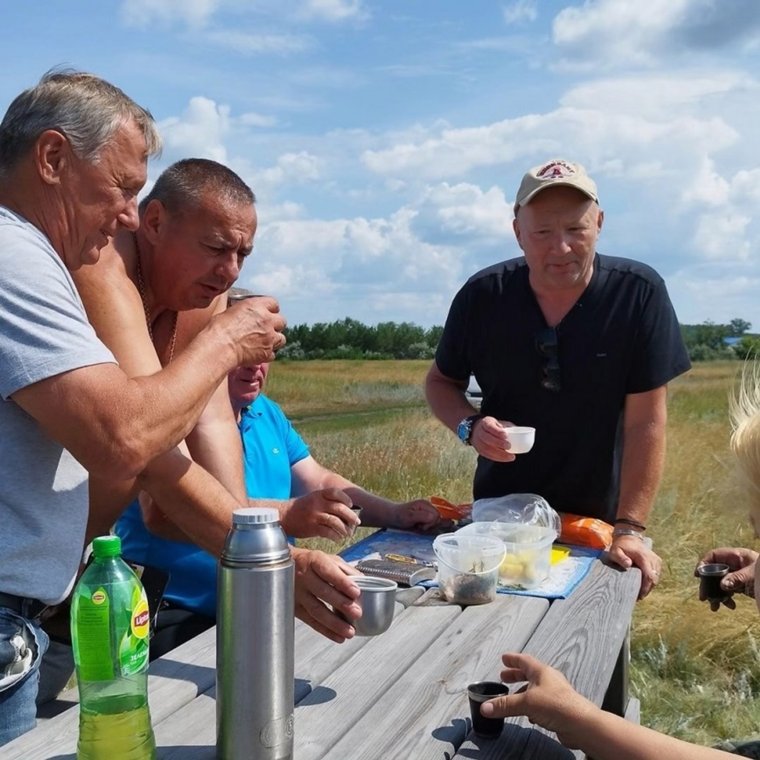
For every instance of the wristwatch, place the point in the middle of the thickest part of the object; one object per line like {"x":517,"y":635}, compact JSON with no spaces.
{"x":464,"y":428}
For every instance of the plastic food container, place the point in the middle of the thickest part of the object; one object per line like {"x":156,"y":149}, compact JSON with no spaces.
{"x":468,"y":567}
{"x":528,"y":550}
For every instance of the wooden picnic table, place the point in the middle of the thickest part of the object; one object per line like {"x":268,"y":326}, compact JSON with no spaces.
{"x":401,"y":695}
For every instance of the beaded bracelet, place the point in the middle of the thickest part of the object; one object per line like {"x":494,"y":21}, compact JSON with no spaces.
{"x":632,"y":523}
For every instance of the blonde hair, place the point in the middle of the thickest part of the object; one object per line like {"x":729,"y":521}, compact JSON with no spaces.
{"x":744,"y":413}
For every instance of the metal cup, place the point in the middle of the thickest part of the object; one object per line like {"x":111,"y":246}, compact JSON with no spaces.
{"x":710,"y":577}
{"x":478,"y":693}
{"x":378,"y":603}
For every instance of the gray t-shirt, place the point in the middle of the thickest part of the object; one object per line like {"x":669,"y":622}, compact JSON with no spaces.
{"x":43,"y":490}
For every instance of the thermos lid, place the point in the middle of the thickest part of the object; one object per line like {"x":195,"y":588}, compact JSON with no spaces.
{"x":250,"y":515}
{"x":256,"y":537}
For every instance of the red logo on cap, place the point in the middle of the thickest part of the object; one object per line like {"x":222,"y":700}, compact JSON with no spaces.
{"x":555,"y":170}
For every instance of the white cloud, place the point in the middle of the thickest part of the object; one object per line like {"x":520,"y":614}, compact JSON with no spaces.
{"x":296,"y":168}
{"x":465,"y":210}
{"x":142,"y":13}
{"x":373,"y":261}
{"x":258,"y":44}
{"x":721,"y":235}
{"x":715,"y":292}
{"x":745,"y":187}
{"x":615,"y":30}
{"x":727,"y":228}
{"x":622,"y":34}
{"x":661,"y":97}
{"x":707,"y":187}
{"x":334,"y":10}
{"x":519,"y":11}
{"x":567,"y":131}
{"x":199,"y":132}
{"x":252,"y":119}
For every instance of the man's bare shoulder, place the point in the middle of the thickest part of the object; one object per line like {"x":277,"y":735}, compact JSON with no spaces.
{"x":115,"y":265}
{"x":108,"y":288}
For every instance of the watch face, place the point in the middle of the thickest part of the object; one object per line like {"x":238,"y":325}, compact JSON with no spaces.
{"x":463,"y":430}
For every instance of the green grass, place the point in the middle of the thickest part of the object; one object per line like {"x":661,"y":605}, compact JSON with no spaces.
{"x":696,"y":672}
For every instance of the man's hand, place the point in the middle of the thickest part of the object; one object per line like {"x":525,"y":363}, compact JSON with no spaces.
{"x":322,"y":580}
{"x":255,"y":325}
{"x":631,"y":551}
{"x":326,"y":513}
{"x":419,"y":515}
{"x":741,"y":576}
{"x":489,"y":438}
{"x":547,"y":699}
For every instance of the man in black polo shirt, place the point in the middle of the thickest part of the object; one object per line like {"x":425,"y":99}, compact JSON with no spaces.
{"x":579,"y":346}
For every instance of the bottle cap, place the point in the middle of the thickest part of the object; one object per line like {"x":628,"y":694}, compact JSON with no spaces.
{"x":106,"y":546}
{"x":251,"y":515}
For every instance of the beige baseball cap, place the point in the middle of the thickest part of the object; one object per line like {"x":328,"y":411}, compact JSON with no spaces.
{"x":554,"y":173}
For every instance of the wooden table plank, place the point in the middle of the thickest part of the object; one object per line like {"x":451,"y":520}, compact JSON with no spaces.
{"x":425,"y":713}
{"x":194,"y":727}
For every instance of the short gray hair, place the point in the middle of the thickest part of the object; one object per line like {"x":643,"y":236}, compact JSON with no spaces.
{"x":86,"y":109}
{"x":182,"y":186}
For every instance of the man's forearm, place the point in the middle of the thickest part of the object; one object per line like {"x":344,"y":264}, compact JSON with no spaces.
{"x":192,"y":377}
{"x":108,"y":499}
{"x":644,"y":427}
{"x":215,"y":445}
{"x":641,"y":471}
{"x":376,"y":510}
{"x":447,"y":399}
{"x":191,"y":499}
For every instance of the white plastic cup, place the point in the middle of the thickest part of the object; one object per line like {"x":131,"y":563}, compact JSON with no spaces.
{"x":521,"y":439}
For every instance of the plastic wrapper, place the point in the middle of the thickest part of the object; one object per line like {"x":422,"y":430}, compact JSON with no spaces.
{"x":523,"y":508}
{"x":585,"y":531}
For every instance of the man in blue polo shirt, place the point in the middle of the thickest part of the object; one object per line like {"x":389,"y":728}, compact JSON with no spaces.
{"x":278,"y":466}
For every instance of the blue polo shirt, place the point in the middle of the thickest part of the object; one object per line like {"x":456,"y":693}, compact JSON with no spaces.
{"x":271,"y":446}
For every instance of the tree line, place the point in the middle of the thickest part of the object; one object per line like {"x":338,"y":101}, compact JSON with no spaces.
{"x":350,"y":339}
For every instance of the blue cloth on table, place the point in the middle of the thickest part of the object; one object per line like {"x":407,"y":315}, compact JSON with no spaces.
{"x":564,"y":576}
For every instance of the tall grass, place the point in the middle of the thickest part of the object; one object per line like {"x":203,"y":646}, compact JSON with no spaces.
{"x":697,"y":673}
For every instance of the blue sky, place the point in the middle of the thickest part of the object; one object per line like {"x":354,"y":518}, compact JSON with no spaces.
{"x":385,"y":139}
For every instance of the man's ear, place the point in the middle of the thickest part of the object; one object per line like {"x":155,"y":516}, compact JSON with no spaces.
{"x":153,"y":219}
{"x":516,"y":228}
{"x":52,"y":153}
{"x":600,"y":221}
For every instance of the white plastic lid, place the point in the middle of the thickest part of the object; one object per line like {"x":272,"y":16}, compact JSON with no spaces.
{"x":251,"y":515}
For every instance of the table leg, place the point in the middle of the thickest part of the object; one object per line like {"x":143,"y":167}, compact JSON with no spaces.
{"x":616,"y":697}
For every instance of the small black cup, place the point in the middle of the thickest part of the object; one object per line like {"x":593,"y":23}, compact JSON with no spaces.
{"x":481,"y":692}
{"x":710,"y":577}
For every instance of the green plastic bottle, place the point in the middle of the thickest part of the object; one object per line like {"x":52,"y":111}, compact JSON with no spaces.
{"x":109,"y":631}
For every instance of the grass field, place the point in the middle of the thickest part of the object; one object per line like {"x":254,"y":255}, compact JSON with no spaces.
{"x":697,"y":673}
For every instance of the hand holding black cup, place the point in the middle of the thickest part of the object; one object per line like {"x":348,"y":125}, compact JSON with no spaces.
{"x":481,"y":692}
{"x":710,"y":590}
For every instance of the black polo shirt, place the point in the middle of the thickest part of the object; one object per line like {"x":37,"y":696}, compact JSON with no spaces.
{"x":621,"y":337}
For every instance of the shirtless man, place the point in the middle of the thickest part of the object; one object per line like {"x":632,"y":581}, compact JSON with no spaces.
{"x":152,"y":292}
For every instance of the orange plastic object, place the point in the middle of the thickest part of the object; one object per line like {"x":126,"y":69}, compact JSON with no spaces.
{"x":449,"y":511}
{"x":585,"y":531}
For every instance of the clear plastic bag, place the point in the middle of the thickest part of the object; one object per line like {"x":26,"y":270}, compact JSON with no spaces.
{"x":523,"y":508}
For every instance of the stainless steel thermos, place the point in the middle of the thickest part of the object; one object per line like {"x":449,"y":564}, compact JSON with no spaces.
{"x":254,"y":640}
